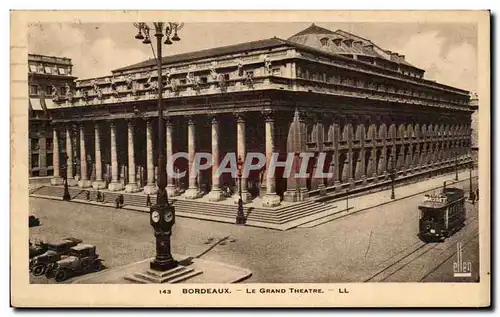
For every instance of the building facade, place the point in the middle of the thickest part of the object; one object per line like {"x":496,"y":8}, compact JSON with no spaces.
{"x":371,"y":112}
{"x":48,"y":78}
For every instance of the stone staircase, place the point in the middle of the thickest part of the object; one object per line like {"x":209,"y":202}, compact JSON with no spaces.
{"x":176,"y":275}
{"x":198,"y":209}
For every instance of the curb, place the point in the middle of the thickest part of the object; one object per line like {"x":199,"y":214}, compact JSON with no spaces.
{"x":378,"y":205}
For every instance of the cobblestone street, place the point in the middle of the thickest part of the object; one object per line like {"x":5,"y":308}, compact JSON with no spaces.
{"x":350,"y":249}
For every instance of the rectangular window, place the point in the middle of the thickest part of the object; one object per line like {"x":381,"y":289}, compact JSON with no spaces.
{"x":276,"y":71}
{"x":50,"y":160}
{"x":33,"y":89}
{"x":226,"y":76}
{"x":48,"y":90}
{"x":34,"y":161}
{"x":62,"y":71}
{"x":203,"y":80}
{"x":49,"y":144}
{"x":48,"y":70}
{"x":32,"y":68}
{"x":34,"y":144}
{"x":182,"y":81}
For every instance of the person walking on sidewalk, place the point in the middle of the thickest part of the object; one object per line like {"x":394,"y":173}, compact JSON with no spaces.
{"x":148,"y":200}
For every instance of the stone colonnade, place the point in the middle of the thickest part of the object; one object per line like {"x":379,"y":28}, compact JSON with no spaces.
{"x":356,"y":151}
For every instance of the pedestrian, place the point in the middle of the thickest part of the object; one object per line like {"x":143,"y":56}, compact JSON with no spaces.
{"x":472,"y":197}
{"x":98,"y":196}
{"x":121,"y":200}
{"x":102,"y":198}
{"x":117,"y":202}
{"x":477,"y":194}
{"x":148,"y":200}
{"x":87,"y":194}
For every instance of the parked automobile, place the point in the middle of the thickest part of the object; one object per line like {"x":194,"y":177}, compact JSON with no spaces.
{"x":38,"y":248}
{"x":33,"y":221}
{"x":81,"y":259}
{"x":38,"y":264}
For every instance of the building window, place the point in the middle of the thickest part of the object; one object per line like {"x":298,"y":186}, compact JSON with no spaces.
{"x":226,"y":76}
{"x":50,"y":160}
{"x":62,"y":71}
{"x":34,"y":161}
{"x":324,"y":41}
{"x":203,"y":80}
{"x":48,"y":90}
{"x":276,"y":71}
{"x":48,"y":70}
{"x":32,"y":68}
{"x":49,"y":144}
{"x":34,"y":144}
{"x":33,"y":89}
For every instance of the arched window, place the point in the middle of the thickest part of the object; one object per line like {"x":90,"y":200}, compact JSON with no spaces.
{"x":324,"y":41}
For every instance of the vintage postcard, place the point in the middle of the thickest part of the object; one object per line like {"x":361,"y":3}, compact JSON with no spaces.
{"x":250,"y":159}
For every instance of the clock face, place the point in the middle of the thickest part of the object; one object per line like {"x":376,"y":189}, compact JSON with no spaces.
{"x":169,"y":216}
{"x":155,"y":216}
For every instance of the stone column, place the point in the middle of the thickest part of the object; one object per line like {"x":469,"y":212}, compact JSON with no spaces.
{"x":241,"y":151}
{"x":84,"y":181}
{"x":215,"y":193}
{"x":150,"y":187}
{"x":270,"y":199}
{"x":69,"y":152}
{"x":99,"y":183}
{"x":132,"y":186}
{"x":115,"y":184}
{"x":56,"y":179}
{"x":172,"y":189}
{"x":192,"y":191}
{"x":350,"y":169}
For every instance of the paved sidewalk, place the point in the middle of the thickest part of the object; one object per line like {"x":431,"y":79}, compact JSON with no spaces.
{"x":356,"y":204}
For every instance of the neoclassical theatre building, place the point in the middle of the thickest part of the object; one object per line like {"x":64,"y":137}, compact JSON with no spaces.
{"x":372,"y":112}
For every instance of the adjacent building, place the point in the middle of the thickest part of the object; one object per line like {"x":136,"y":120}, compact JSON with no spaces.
{"x":321,"y":91}
{"x":48,"y":78}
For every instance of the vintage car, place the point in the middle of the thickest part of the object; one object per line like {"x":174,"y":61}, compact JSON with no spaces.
{"x":37,"y":248}
{"x":33,"y":221}
{"x":81,"y":259}
{"x":38,"y":264}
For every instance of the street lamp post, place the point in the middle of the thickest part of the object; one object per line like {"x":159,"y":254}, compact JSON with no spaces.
{"x":162,"y":214}
{"x":471,"y":192}
{"x":347,"y":199}
{"x":393,"y":177}
{"x":456,"y":166}
{"x":240,"y":217}
{"x":66,"y":195}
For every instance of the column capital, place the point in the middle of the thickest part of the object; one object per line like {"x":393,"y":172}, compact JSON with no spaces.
{"x":213,"y":118}
{"x":269,"y":115}
{"x":240,"y":117}
{"x":190,"y":119}
{"x":130,"y":121}
{"x":168,"y":121}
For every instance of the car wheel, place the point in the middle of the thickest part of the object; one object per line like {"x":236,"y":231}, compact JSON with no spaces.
{"x":61,"y":275}
{"x":96,"y":266}
{"x":39,"y":270}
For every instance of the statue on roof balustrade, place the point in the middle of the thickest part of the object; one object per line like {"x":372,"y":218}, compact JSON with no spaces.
{"x":69,"y":93}
{"x":213,"y":71}
{"x":267,"y":64}
{"x":97,"y":89}
{"x":240,"y":67}
{"x":114,"y":86}
{"x":55,"y":93}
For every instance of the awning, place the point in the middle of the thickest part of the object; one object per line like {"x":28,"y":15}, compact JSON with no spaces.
{"x":50,"y":104}
{"x":35,"y":104}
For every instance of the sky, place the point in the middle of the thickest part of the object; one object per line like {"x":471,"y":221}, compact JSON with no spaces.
{"x":447,"y":51}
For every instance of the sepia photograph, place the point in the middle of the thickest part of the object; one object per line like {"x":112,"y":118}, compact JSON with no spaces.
{"x":319,"y":157}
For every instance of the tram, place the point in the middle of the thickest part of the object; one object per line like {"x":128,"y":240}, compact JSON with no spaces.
{"x":441,"y":215}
